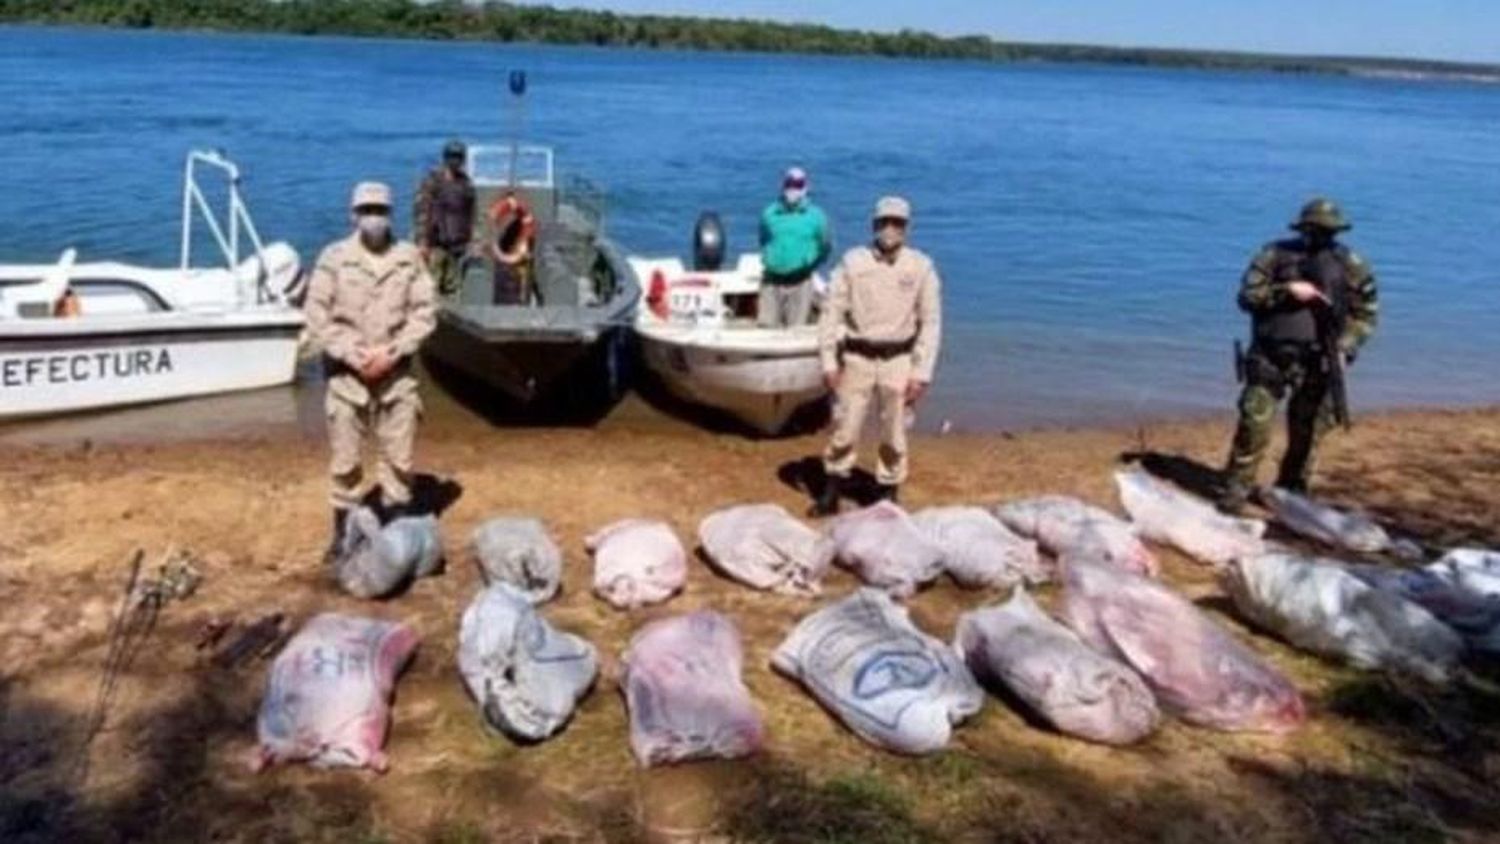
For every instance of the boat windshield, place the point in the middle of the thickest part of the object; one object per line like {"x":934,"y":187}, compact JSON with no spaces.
{"x":491,"y":166}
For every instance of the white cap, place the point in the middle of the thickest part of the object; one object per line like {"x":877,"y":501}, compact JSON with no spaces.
{"x":794,"y":174}
{"x":371,"y":193}
{"x":892,"y":207}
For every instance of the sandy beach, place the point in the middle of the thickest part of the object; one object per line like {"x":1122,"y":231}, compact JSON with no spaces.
{"x":1378,"y":759}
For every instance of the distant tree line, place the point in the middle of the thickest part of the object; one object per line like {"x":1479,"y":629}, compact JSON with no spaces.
{"x":513,"y":22}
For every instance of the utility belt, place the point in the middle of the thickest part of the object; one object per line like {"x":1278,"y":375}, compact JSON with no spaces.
{"x":1269,"y":362}
{"x":879,"y":350}
{"x":1286,"y":351}
{"x":333,"y":367}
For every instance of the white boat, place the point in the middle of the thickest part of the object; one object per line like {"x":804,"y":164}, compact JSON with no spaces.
{"x":76,"y":336}
{"x":698,"y":336}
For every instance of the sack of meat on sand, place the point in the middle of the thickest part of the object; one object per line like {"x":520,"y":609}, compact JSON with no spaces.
{"x":527,"y":675}
{"x":375,"y":561}
{"x":765,"y":547}
{"x":883,"y":547}
{"x":519,"y":551}
{"x":1163,"y":513}
{"x":1474,"y":570}
{"x":1198,"y":671}
{"x":683,"y":689}
{"x":892,"y":684}
{"x":1320,"y":606}
{"x":637,"y":562}
{"x":1462,"y":589}
{"x":328,"y":700}
{"x":1048,"y":668}
{"x":1068,"y":528}
{"x":1346,"y":530}
{"x":978,"y":551}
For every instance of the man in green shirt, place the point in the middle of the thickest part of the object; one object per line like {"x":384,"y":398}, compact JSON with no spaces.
{"x":794,"y":241}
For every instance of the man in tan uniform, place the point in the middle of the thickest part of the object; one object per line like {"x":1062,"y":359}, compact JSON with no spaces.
{"x":369,"y":307}
{"x":878,"y":338}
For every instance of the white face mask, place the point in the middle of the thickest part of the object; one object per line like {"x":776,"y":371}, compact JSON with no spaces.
{"x":890,"y":238}
{"x":793,"y":196}
{"x":374,"y":227}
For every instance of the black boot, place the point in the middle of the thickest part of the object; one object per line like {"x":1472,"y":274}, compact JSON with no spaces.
{"x":827,"y":502}
{"x":336,"y":543}
{"x":888,"y":492}
{"x":391,"y":512}
{"x":1234,"y":498}
{"x":1293,"y":484}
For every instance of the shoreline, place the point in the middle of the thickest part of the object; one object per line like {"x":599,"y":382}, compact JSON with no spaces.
{"x":999,"y":52}
{"x":634,"y":413}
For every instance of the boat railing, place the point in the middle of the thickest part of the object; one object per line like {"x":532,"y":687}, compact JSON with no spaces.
{"x":229,"y":233}
{"x":531,"y":170}
{"x":588,"y":198}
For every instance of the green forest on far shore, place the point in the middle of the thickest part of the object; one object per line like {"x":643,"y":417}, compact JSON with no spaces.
{"x":512,"y":22}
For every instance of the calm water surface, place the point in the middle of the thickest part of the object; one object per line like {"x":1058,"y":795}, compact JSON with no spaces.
{"x":1090,"y":223}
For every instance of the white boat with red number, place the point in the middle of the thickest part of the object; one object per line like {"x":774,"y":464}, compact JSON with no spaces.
{"x":699,"y":337}
{"x":77,"y":336}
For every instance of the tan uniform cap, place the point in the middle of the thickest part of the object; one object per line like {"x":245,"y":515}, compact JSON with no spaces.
{"x":371,"y":193}
{"x":892,"y":206}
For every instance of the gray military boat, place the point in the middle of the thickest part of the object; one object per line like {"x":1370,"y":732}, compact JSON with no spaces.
{"x":549,"y":332}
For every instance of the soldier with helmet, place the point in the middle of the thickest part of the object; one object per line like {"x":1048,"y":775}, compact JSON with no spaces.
{"x":1294,"y":290}
{"x":878,"y":339}
{"x":370,"y":305}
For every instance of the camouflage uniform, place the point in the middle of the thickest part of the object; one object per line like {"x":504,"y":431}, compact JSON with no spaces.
{"x":1286,"y":359}
{"x":359,"y":300}
{"x":444,"y":221}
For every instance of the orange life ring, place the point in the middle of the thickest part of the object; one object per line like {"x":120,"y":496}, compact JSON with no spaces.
{"x":513,"y":221}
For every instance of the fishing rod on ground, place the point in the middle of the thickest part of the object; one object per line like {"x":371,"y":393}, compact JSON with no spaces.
{"x":114,"y":654}
{"x":141,"y":603}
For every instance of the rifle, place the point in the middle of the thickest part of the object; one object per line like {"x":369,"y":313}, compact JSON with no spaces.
{"x":1330,"y":329}
{"x":1331,"y":316}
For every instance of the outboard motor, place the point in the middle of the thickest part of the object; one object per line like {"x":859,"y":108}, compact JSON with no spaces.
{"x":708,"y":243}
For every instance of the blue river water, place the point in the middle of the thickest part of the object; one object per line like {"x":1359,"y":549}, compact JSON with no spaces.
{"x":1090,"y":223}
